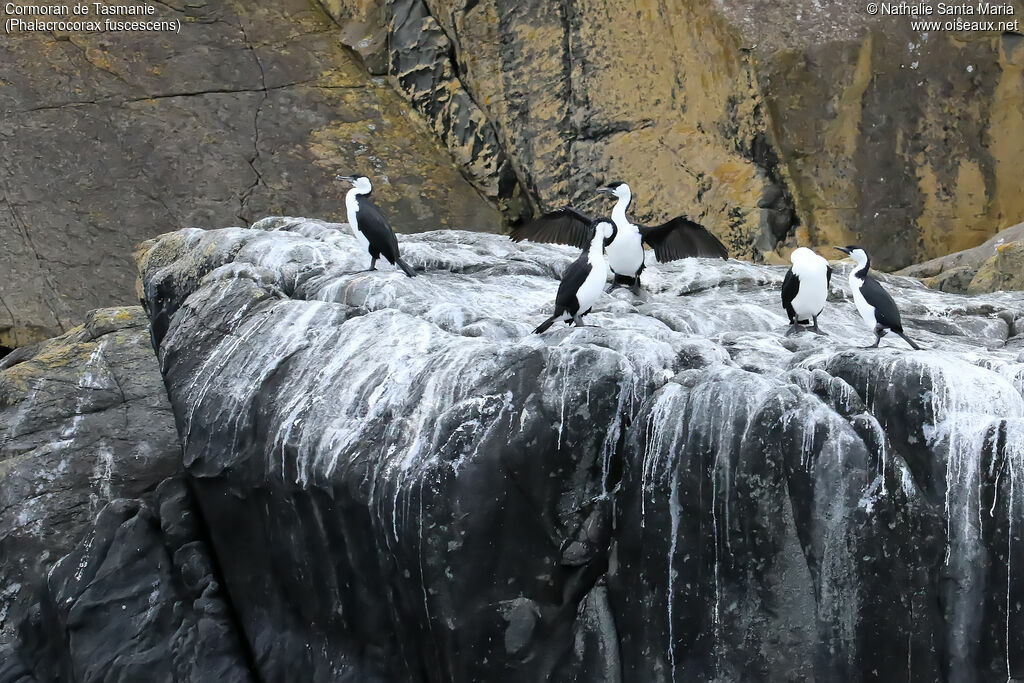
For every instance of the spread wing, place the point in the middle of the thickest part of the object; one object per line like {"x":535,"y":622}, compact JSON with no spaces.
{"x":682,"y":238}
{"x":885,"y":308}
{"x":790,"y":288}
{"x":565,"y":226}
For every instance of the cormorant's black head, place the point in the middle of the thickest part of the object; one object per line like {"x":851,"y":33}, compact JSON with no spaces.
{"x":613,"y":188}
{"x":856,"y":253}
{"x":360,"y":182}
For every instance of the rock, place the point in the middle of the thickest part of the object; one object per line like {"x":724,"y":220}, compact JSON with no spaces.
{"x":84,"y":419}
{"x":137,"y":600}
{"x":761,"y":491}
{"x":401,"y":482}
{"x":402,"y":39}
{"x":1004,"y":271}
{"x":954,"y":280}
{"x":969,"y":258}
{"x":249,"y":110}
{"x":727,"y":104}
{"x":954,"y":272}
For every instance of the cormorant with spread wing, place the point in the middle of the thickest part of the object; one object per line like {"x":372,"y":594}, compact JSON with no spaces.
{"x":676,"y":239}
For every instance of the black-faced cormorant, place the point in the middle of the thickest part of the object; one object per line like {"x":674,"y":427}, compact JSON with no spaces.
{"x":583,"y":281}
{"x":369,"y":226}
{"x":874,"y":303}
{"x":805,"y":289}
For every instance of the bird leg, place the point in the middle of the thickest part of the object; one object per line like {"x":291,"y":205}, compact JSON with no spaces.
{"x":635,"y":288}
{"x":578,"y":321}
{"x":814,"y":328}
{"x":878,"y":338}
{"x":373,"y":263}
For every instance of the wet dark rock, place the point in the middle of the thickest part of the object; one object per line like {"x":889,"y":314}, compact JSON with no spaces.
{"x":400,"y":482}
{"x":84,"y":419}
{"x":137,"y":600}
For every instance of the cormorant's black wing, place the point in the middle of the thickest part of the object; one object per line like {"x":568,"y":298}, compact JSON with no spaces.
{"x":372,"y":223}
{"x":565,"y":226}
{"x":682,"y":238}
{"x":790,"y":288}
{"x":572,"y":280}
{"x":886,"y":312}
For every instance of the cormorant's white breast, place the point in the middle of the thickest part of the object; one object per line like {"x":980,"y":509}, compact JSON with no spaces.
{"x":583,"y":281}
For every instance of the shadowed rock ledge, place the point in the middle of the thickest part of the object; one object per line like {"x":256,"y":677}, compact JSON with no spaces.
{"x":397,"y":481}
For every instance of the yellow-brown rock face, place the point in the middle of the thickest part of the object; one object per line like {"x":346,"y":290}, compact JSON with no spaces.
{"x":1004,"y":271}
{"x":108,"y":139}
{"x":775,"y":124}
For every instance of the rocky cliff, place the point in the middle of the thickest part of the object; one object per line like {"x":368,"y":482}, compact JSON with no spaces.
{"x":84,"y":419}
{"x":107,"y":139}
{"x":392,"y":479}
{"x":776,"y":124}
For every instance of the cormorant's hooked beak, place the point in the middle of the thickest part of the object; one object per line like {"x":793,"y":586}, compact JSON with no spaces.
{"x":605,"y":190}
{"x":346,"y":178}
{"x":843,"y":249}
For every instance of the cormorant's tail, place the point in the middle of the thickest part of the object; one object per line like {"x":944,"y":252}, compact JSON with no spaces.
{"x":405,"y":266}
{"x":550,"y":321}
{"x":909,"y":341}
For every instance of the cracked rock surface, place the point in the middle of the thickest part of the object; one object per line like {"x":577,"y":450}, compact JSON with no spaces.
{"x":108,"y":139}
{"x":84,"y":419}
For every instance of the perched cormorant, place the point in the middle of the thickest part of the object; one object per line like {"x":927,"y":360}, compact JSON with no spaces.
{"x":369,"y":226}
{"x":676,"y":239}
{"x":583,"y":281}
{"x":874,"y":303}
{"x":805,"y":289}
